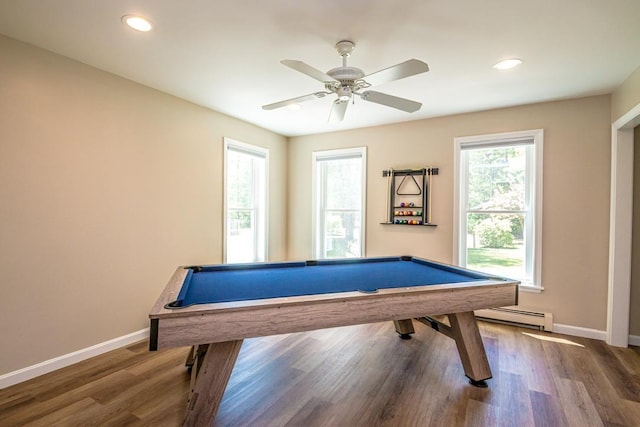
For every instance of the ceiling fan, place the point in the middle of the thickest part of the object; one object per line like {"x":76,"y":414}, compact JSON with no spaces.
{"x":347,"y":81}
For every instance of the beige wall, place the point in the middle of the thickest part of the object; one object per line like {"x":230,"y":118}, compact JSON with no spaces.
{"x":105,"y":187}
{"x":576,"y":194}
{"x":627,"y":96}
{"x":634,"y":316}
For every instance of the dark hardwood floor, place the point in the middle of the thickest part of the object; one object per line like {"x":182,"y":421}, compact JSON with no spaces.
{"x":352,"y":376}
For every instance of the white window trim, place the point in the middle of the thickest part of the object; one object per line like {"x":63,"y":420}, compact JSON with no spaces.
{"x":258,"y":151}
{"x":327,"y":154}
{"x":537,"y":135}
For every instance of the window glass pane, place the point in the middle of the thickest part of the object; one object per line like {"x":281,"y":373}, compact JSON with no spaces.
{"x":496,"y":178}
{"x":495,"y":244}
{"x":342,"y":234}
{"x":338,"y":209}
{"x":245,"y":202}
{"x":344,"y":183}
{"x":499,"y":204}
{"x":241,"y":236}
{"x":239,"y":180}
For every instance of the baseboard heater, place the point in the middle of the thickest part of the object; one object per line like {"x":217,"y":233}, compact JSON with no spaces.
{"x":518,"y":316}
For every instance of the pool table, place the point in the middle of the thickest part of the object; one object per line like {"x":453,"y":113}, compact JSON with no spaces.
{"x":214,"y":308}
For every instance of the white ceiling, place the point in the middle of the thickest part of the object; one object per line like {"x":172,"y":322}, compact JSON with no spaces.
{"x":226,"y":55}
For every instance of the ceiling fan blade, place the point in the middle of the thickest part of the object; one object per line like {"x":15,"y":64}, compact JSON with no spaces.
{"x":338,"y":110}
{"x":314,"y":73}
{"x":391,"y":101}
{"x":291,"y":101}
{"x":397,"y":72}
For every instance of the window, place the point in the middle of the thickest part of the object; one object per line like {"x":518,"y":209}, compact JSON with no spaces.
{"x":499,"y":204}
{"x":339,"y":186}
{"x":245,"y":202}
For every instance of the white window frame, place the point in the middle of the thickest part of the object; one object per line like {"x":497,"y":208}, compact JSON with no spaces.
{"x":317,"y":201}
{"x":261,"y":237}
{"x":536,"y":137}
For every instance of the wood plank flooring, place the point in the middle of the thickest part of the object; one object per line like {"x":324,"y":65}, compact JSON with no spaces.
{"x":352,"y":376}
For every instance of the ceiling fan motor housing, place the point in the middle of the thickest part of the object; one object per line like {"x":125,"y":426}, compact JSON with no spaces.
{"x":346,"y":74}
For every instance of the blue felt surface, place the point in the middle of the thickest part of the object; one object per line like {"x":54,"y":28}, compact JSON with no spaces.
{"x":238,"y":284}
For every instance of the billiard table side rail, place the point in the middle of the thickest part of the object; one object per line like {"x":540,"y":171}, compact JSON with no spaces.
{"x":219,"y":322}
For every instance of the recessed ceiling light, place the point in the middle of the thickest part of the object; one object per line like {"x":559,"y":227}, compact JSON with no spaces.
{"x":137,"y":22}
{"x":505,"y":64}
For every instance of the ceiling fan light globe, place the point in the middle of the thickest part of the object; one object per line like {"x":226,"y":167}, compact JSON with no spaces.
{"x":344,"y":93}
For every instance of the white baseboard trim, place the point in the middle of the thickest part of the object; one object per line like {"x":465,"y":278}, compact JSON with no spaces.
{"x":595,"y":334}
{"x":65,"y":360}
{"x":578,"y":331}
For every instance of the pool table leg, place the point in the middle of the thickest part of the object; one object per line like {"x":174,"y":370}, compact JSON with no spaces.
{"x":463,"y":329}
{"x":191,"y":357}
{"x":210,"y":383}
{"x":404,"y":327}
{"x":474,"y":359}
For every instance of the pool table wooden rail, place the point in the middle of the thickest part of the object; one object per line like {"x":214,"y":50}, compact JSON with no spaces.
{"x":219,"y":322}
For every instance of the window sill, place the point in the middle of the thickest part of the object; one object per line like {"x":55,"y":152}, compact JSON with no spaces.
{"x":531,"y":288}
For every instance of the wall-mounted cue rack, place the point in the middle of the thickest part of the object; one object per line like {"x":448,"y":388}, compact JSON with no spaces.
{"x":409,"y":199}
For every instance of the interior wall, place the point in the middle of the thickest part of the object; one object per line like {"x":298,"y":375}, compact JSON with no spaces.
{"x":634,"y":315}
{"x":106,"y":187}
{"x":627,"y":96}
{"x":577,"y":145}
